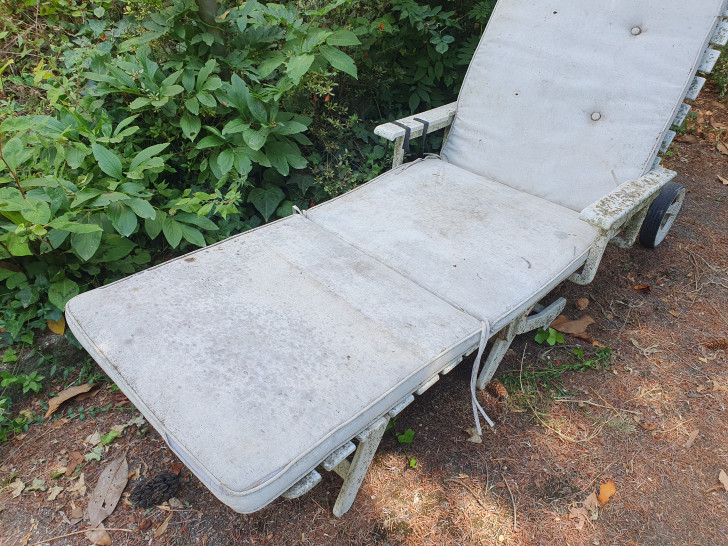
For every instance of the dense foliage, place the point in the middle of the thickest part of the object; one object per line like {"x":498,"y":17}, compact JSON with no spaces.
{"x":132,"y":130}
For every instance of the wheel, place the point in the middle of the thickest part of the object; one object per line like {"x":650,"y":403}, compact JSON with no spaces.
{"x":661,"y":214}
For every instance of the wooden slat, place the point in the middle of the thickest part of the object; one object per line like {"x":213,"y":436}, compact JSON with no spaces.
{"x":438,"y":118}
{"x":657,"y":162}
{"x":434,"y":379}
{"x":695,"y":88}
{"x":396,"y":410}
{"x":681,"y":114}
{"x":333,"y":460}
{"x":709,"y":60}
{"x":303,"y":486}
{"x":447,"y":369}
{"x":667,"y":141}
{"x":720,"y":36}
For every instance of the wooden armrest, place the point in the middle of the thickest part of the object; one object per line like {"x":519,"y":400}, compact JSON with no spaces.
{"x":438,"y":118}
{"x":615,"y":208}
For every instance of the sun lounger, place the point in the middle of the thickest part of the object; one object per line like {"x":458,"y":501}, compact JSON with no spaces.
{"x":285,"y":350}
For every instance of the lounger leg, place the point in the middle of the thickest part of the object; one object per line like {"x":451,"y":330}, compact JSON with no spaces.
{"x":354,"y":472}
{"x":519,"y":326}
{"x":631,"y":230}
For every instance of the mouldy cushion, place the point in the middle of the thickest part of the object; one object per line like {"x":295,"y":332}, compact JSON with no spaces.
{"x":258,"y":356}
{"x":484,"y":247}
{"x":543,"y":69}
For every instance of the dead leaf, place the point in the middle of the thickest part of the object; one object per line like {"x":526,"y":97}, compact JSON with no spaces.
{"x":79,"y":487}
{"x":580,"y":514}
{"x":645,"y":351}
{"x":87,"y":395}
{"x":37,"y":485}
{"x":723,"y":477}
{"x":145,"y":524}
{"x":687,"y":139}
{"x":17,"y":487}
{"x":177,"y":468}
{"x":163,"y":528}
{"x":93,"y":439}
{"x":575,"y":328}
{"x":76,"y":515}
{"x":56,"y":401}
{"x":582,"y":303}
{"x":606,"y":490}
{"x":74,"y":459}
{"x":722,"y":148}
{"x":107,"y":492}
{"x":724,"y":180}
{"x":54,"y":492}
{"x":57,"y":326}
{"x":475,"y":438}
{"x":691,"y":439}
{"x":592,"y":504}
{"x":98,"y":535}
{"x":643,"y":287}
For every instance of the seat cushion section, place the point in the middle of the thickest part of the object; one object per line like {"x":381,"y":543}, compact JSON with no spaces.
{"x":257,"y":357}
{"x":566,"y":99}
{"x":484,"y":247}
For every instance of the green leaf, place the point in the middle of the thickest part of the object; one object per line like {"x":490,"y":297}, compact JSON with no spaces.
{"x":407,"y":437}
{"x":36,"y":211}
{"x":257,"y":109}
{"x":140,"y":102}
{"x":86,"y":244}
{"x":122,"y":218}
{"x":194,"y":219}
{"x":192,"y":235}
{"x":269,"y":64}
{"x":343,"y":37}
{"x":298,"y":65}
{"x":11,"y":153}
{"x":172,"y":90}
{"x":153,"y":226}
{"x":339,"y":60}
{"x":56,"y":237}
{"x":172,"y":231}
{"x":84,"y":195}
{"x":266,"y":199}
{"x":204,"y":73}
{"x":255,"y":139}
{"x":205,"y":98}
{"x":236,"y":125}
{"x":190,"y":125}
{"x":60,"y":292}
{"x":238,"y":92}
{"x":147,"y":153}
{"x":74,"y":227}
{"x":225,"y":161}
{"x":192,"y":106}
{"x":108,"y":161}
{"x":212,"y":84}
{"x":210,"y":141}
{"x":75,"y":157}
{"x":141,"y":208}
{"x":106,"y":439}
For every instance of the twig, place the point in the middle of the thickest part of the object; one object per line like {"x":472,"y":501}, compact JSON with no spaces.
{"x":78,"y":533}
{"x":513,"y":500}
{"x":595,"y":404}
{"x":472,"y":491}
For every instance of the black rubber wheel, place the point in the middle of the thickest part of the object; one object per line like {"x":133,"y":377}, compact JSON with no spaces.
{"x":661,"y":214}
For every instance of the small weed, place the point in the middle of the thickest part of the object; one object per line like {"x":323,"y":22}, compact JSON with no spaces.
{"x":550,"y":336}
{"x":406,"y":437}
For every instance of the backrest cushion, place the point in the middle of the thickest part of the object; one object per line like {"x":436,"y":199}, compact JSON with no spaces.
{"x":566,"y":99}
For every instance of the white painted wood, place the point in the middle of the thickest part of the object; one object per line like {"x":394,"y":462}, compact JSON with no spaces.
{"x":709,"y":60}
{"x":423,"y":389}
{"x":450,"y":367}
{"x":396,"y":410}
{"x":359,"y":466}
{"x":333,"y":460}
{"x":667,"y":141}
{"x":657,"y":162}
{"x":342,"y":469}
{"x":439,"y":118}
{"x":303,"y":486}
{"x":681,"y":114}
{"x":695,"y":87}
{"x":720,"y":36}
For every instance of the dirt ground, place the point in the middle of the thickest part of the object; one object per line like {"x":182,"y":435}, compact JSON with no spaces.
{"x":652,"y":420}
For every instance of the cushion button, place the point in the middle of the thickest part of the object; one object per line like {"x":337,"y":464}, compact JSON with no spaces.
{"x":596,"y":116}
{"x":636,"y":31}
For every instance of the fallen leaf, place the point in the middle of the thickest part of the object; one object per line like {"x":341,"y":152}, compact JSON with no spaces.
{"x":723,"y":477}
{"x":134,"y":474}
{"x":76,"y":515}
{"x":93,"y":439}
{"x":54,"y":492}
{"x":98,"y":535}
{"x":57,"y":326}
{"x":72,"y":392}
{"x":643,"y":287}
{"x":722,"y":148}
{"x":606,"y":490}
{"x":646,"y":351}
{"x":580,"y":514}
{"x":74,"y":459}
{"x":145,"y":524}
{"x":687,"y":139}
{"x":691,"y":439}
{"x":17,"y":487}
{"x":107,"y":492}
{"x":37,"y":485}
{"x":175,"y":503}
{"x":177,"y":468}
{"x":724,"y":180}
{"x":674,"y":313}
{"x":582,"y":303}
{"x":163,"y":528}
{"x":89,"y":394}
{"x":592,"y":504}
{"x":576,"y":328}
{"x":475,"y":438}
{"x":58,"y":472}
{"x":79,"y":487}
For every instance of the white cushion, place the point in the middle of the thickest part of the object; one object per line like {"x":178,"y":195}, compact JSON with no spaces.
{"x":257,"y":357}
{"x":543,"y":69}
{"x":485,"y":247}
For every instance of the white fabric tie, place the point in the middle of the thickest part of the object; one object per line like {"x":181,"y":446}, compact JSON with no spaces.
{"x":484,"y":335}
